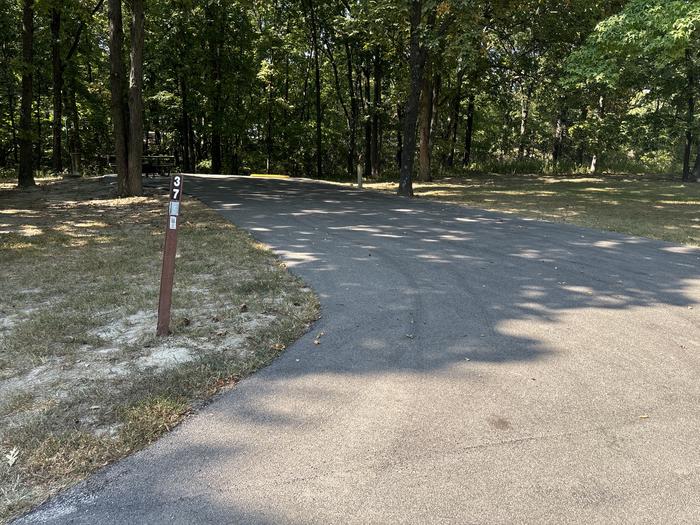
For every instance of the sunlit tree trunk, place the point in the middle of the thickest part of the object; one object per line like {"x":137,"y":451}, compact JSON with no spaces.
{"x":593,"y":168}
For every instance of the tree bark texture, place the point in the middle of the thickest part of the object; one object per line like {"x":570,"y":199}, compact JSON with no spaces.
{"x":133,"y":186}
{"x":417,"y":58}
{"x":119,"y":104}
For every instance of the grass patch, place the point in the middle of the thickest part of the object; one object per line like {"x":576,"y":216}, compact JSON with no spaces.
{"x":649,"y":206}
{"x":83,"y":379}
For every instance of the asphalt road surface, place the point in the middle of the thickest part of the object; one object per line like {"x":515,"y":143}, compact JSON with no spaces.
{"x":473,"y":368}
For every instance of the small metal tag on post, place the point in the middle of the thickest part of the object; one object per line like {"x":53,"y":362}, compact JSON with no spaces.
{"x":169,"y":250}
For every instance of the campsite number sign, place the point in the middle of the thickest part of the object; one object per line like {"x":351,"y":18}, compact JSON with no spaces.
{"x":176,"y":188}
{"x":169,"y":250}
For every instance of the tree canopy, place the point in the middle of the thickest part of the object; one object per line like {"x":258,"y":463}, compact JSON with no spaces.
{"x":330,"y":89}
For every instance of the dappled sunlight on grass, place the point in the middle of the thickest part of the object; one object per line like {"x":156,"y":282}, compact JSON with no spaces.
{"x":79,"y":272}
{"x":648,"y":206}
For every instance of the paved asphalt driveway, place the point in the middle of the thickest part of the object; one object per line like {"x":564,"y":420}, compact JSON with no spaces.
{"x":474,"y":368}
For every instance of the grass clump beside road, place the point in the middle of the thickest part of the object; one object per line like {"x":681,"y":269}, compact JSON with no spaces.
{"x":648,"y":206}
{"x":83,"y":379}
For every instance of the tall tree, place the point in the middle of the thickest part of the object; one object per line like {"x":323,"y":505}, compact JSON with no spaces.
{"x":315,"y":49}
{"x":57,"y":78}
{"x":26,"y":165}
{"x":127,"y":105}
{"x":418,"y":53}
{"x":120,"y":110}
{"x":58,"y":67}
{"x":133,"y":183}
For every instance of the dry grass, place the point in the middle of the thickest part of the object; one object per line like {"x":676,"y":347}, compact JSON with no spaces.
{"x":647,"y":206}
{"x":83,"y":379}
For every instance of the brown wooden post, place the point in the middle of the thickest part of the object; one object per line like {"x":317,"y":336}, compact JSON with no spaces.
{"x":169,"y":250}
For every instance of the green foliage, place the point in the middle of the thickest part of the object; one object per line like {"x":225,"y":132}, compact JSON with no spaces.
{"x":609,"y":75}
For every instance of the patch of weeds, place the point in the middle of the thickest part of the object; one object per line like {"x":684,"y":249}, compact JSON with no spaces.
{"x":69,"y":456}
{"x":149,"y":419}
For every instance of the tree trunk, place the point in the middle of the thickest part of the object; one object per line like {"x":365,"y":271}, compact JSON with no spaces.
{"x":376,"y":103}
{"x":117,"y":79}
{"x":417,"y":58}
{"x":690,"y":115}
{"x":594,"y":158}
{"x":368,"y":124}
{"x":268,"y":140}
{"x":134,"y":183}
{"x":13,"y":122}
{"x":469,"y":133}
{"x":399,"y":136}
{"x":354,"y":112}
{"x":184,"y":133}
{"x":39,"y":137}
{"x":192,"y":144}
{"x":216,"y":149}
{"x":695,"y":177}
{"x":57,"y":78}
{"x":454,"y":118}
{"x":437,"y":89}
{"x":593,"y":168}
{"x":26,"y":172}
{"x":216,"y":146}
{"x":580,"y":148}
{"x":524,"y":116}
{"x":74,"y":145}
{"x":215,"y":15}
{"x":317,"y":79}
{"x":426,"y":107}
{"x":559,"y":132}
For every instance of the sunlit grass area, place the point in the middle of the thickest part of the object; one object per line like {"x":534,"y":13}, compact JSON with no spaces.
{"x":269,"y":176}
{"x":83,"y":379}
{"x":648,"y":206}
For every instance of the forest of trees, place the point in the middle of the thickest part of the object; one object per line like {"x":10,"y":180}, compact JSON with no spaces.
{"x":327,"y":89}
